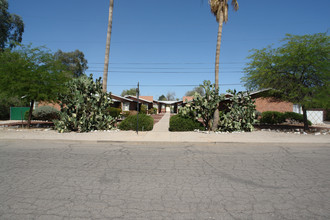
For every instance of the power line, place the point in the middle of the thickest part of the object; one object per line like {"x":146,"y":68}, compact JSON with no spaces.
{"x":148,"y":42}
{"x":234,"y":84}
{"x":174,"y":72}
{"x":162,"y":68}
{"x":170,"y":63}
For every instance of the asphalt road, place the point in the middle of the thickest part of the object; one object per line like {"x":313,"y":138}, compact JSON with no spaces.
{"x":71,"y":180}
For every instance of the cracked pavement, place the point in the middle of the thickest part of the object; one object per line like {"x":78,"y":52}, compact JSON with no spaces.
{"x":89,"y":180}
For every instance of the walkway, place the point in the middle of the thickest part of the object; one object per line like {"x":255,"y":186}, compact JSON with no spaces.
{"x":163,"y":124}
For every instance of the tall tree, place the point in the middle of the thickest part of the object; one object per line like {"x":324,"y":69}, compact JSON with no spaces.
{"x":220,"y":10}
{"x":107,"y":48}
{"x":11,"y":27}
{"x":298,"y":71}
{"x":131,"y":91}
{"x":170,"y":96}
{"x":162,"y":98}
{"x":198,"y":89}
{"x":32,"y":73}
{"x":74,"y":61}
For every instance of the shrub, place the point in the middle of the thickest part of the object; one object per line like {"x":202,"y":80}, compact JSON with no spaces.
{"x":240,"y":113}
{"x":125,"y":114}
{"x":153,"y":111}
{"x":272,"y":117}
{"x":44,"y":113}
{"x":84,"y":106}
{"x":132,"y":113}
{"x":179,"y":123}
{"x":143,"y":109}
{"x":295,"y":117}
{"x":146,"y":123}
{"x":114,"y":112}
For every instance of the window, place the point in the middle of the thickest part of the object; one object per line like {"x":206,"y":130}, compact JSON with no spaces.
{"x":126,"y":106}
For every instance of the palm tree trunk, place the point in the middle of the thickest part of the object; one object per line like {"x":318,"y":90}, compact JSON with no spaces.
{"x":217,"y":61}
{"x":107,"y":48}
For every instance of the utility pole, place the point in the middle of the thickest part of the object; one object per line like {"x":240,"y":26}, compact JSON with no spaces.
{"x":138,"y":106}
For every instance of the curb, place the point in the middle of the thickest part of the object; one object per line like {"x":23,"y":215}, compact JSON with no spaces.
{"x":165,"y":143}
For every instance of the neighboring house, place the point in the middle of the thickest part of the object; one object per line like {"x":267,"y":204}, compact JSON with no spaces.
{"x":142,"y":101}
{"x":316,"y":116}
{"x":125,"y":104}
{"x":168,"y":106}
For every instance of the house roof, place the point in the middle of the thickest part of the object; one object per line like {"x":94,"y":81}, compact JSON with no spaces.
{"x":135,"y":99}
{"x":253,"y":94}
{"x":186,"y":99}
{"x":149,"y":98}
{"x":168,"y":102}
{"x":120,"y":98}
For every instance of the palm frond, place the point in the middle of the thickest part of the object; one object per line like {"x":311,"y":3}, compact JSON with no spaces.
{"x":234,"y":3}
{"x":214,"y":5}
{"x":225,"y":13}
{"x":220,"y":8}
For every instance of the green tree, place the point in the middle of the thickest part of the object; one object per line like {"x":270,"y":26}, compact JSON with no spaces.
{"x":11,"y":27}
{"x":198,"y":89}
{"x":298,"y":71}
{"x":74,"y":61}
{"x":32,"y":73}
{"x":162,"y":98}
{"x":107,"y":48}
{"x":131,"y":91}
{"x":220,"y":10}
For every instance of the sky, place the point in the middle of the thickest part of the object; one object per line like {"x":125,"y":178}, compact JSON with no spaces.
{"x":166,"y":46}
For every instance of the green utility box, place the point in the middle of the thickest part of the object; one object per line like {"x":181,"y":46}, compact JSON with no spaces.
{"x":17,"y":113}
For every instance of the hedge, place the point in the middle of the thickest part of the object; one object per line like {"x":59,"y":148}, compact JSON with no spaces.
{"x":146,"y":123}
{"x":295,"y":117}
{"x":179,"y":123}
{"x":44,"y":113}
{"x":273,"y":117}
{"x":114,"y":112}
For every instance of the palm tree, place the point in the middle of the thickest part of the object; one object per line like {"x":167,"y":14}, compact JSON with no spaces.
{"x":107,"y":48}
{"x":220,"y":10}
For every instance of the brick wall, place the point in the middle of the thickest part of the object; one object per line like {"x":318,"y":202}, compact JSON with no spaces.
{"x":148,"y":98}
{"x":186,"y":99}
{"x":269,"y":104}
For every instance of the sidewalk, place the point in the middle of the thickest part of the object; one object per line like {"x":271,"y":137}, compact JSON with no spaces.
{"x":160,"y":133}
{"x":161,"y":136}
{"x":163,"y":124}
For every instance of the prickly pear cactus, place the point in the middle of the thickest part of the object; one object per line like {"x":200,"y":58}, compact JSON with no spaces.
{"x":84,"y":107}
{"x":240,"y":113}
{"x":203,"y":106}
